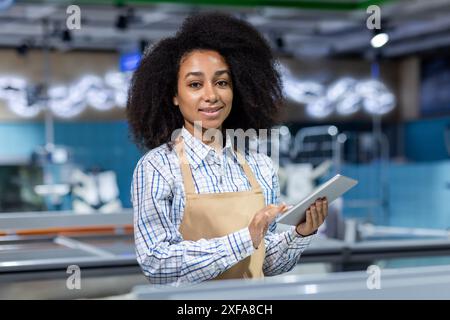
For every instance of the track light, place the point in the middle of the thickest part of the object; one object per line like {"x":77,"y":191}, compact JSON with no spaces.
{"x":22,"y":49}
{"x":66,"y":36}
{"x":280,"y":43}
{"x":143,"y":44}
{"x":122,"y":22}
{"x":379,"y":39}
{"x":124,"y":19}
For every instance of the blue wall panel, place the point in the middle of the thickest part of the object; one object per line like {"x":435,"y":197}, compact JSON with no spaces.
{"x":418,"y":194}
{"x":424,"y":140}
{"x":18,"y":140}
{"x":105,"y":145}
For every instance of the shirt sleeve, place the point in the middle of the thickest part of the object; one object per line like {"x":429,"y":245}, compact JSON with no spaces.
{"x":283,"y":250}
{"x":163,"y":255}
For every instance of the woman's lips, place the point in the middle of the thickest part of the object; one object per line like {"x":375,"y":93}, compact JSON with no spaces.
{"x":210,"y":112}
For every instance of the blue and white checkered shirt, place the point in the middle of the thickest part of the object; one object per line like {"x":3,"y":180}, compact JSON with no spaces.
{"x":158,"y":201}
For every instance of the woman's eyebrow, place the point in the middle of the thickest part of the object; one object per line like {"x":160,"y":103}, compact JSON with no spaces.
{"x":199,"y":73}
{"x":194,"y":73}
{"x":220,"y":72}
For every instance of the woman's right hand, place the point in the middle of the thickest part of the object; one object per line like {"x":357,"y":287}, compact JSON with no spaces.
{"x":261,"y":221}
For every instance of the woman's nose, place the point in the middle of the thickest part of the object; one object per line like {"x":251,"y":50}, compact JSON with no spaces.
{"x":210,"y":94}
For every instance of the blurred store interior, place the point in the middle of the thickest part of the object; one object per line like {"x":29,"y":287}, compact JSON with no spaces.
{"x":372,"y":104}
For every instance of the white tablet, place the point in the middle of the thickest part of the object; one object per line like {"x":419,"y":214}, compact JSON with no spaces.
{"x":332,"y":189}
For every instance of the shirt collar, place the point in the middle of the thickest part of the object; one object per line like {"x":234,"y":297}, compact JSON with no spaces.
{"x":197,"y":151}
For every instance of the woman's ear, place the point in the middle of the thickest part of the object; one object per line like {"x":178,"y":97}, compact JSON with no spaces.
{"x":175,"y":101}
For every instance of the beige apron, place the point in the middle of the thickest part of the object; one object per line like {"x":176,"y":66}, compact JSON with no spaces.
{"x":213,"y":215}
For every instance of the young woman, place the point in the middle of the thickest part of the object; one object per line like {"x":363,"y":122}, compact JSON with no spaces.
{"x":203,"y":211}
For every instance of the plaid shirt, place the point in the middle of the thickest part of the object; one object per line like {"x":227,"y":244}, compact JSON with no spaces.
{"x":158,"y":198}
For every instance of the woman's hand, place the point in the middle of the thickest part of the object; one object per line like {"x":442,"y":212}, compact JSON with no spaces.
{"x":261,"y":221}
{"x":315,"y":216}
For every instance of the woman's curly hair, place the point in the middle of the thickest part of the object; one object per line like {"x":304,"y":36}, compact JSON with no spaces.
{"x":257,"y":88}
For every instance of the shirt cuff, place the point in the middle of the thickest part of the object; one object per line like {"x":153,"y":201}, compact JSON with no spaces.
{"x":239,"y":244}
{"x":296,"y":236}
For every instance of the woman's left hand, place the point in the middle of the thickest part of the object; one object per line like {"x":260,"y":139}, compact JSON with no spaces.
{"x":315,"y":216}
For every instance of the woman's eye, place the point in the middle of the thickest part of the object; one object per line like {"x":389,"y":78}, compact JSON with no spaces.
{"x":195,"y":85}
{"x":222,"y":83}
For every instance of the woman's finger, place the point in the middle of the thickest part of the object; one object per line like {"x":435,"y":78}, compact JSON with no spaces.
{"x":272,"y":213}
{"x":284,"y":208}
{"x":318,"y":205}
{"x":262,"y":219}
{"x":309,"y":221}
{"x":314,"y":216}
{"x":325,"y":207}
{"x":266,"y":227}
{"x":322,"y":212}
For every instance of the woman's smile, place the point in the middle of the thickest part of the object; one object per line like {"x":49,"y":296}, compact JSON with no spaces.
{"x":211,"y":112}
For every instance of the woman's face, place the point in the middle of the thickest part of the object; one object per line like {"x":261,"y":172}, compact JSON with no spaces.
{"x":204,"y":89}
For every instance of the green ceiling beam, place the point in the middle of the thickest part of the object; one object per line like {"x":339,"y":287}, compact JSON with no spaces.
{"x":298,"y":4}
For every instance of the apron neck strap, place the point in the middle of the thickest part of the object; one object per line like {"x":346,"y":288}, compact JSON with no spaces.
{"x":184,"y":166}
{"x":187,"y":173}
{"x":248,"y":172}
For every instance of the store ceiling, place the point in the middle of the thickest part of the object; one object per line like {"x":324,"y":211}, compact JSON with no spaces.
{"x":298,"y":28}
